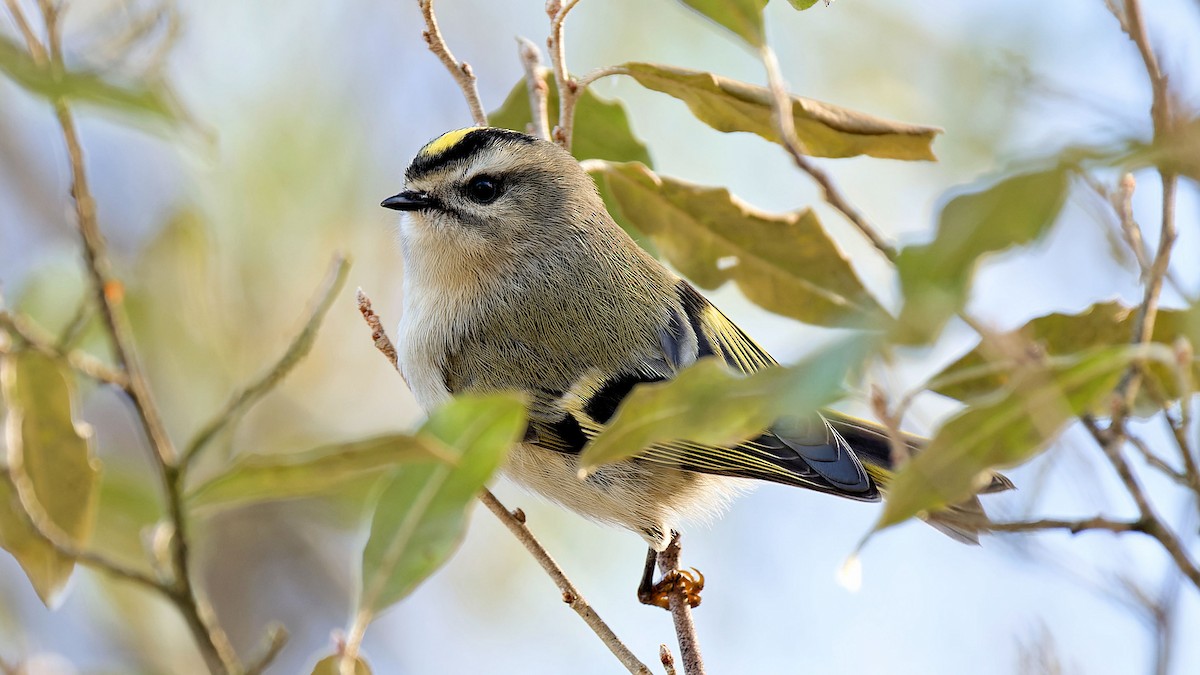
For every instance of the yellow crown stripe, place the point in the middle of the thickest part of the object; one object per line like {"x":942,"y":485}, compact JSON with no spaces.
{"x":444,"y":142}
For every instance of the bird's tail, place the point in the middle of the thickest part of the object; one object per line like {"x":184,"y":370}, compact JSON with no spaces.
{"x":963,"y":521}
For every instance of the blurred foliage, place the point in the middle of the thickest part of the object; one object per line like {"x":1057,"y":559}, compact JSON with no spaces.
{"x":742,"y":17}
{"x":53,"y":457}
{"x":1008,"y":430}
{"x":936,"y":277}
{"x":82,"y":87}
{"x":979,"y":373}
{"x":258,"y":478}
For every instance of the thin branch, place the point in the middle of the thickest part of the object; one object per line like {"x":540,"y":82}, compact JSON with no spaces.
{"x":681,"y":613}
{"x":1135,"y":27}
{"x":1158,"y":462}
{"x":1073,"y":526}
{"x":36,"y":49}
{"x":1122,"y":203}
{"x":667,"y":659}
{"x":1178,"y":429}
{"x":785,"y":124}
{"x":378,"y":335}
{"x":210,"y":639}
{"x":41,"y":341}
{"x":74,"y":329}
{"x":515,"y":522}
{"x":535,"y":83}
{"x":1160,"y":111}
{"x":568,"y":88}
{"x":51,"y":14}
{"x":109,"y":293}
{"x":277,"y":638}
{"x":585,"y":81}
{"x":240,"y":403}
{"x":1111,"y":441}
{"x":460,"y":71}
{"x":897,"y":448}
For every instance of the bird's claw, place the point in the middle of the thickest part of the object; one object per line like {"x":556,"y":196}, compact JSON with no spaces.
{"x":684,"y":583}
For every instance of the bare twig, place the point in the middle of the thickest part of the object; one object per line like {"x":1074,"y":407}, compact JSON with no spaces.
{"x":535,"y":82}
{"x":1072,"y":526}
{"x":681,"y":612}
{"x":570,"y":594}
{"x":213,"y":644}
{"x":277,"y":637}
{"x":1163,"y":118}
{"x":898,"y":449}
{"x":1157,"y":462}
{"x":378,"y":335}
{"x":785,"y":123}
{"x":1178,"y":428}
{"x":1122,"y":203}
{"x":586,"y":80}
{"x":109,"y":291}
{"x":667,"y":659}
{"x":1135,"y":27}
{"x":73,"y":330}
{"x":1111,"y":440}
{"x":41,"y":341}
{"x":460,"y":71}
{"x":241,"y":402}
{"x":36,"y":49}
{"x":568,"y":88}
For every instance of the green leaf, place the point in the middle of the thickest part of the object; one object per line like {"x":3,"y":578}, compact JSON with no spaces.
{"x":804,"y":4}
{"x":260,"y":478}
{"x":330,"y":666}
{"x":978,"y":373}
{"x":936,"y":277}
{"x":743,"y":17}
{"x":80,"y":86}
{"x":55,"y":456}
{"x":784,"y":263}
{"x":601,"y":127}
{"x":421,"y":516}
{"x":707,"y":403}
{"x":1008,"y":430}
{"x":826,"y":130}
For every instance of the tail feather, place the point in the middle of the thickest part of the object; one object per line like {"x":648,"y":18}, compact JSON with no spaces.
{"x":962,"y":522}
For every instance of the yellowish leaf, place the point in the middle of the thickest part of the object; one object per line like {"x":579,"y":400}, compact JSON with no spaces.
{"x":47,"y":447}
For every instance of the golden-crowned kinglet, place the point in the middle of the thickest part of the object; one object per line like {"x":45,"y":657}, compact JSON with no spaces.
{"x":517,"y":278}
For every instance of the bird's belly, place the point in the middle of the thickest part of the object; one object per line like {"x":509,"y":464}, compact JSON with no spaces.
{"x":647,"y":498}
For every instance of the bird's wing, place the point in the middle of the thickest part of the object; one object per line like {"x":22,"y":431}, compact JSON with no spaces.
{"x":806,"y":452}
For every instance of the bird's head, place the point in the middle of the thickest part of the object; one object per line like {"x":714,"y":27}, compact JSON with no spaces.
{"x":485,"y":187}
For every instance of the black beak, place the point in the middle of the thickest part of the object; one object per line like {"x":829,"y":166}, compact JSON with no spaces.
{"x":409,"y":200}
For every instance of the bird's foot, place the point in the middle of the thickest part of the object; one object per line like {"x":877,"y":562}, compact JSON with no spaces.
{"x":685,"y":583}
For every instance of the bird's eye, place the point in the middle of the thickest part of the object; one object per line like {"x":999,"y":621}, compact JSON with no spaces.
{"x":483,"y":189}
